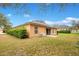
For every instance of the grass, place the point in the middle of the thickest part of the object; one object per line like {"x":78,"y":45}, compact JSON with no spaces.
{"x":62,"y":45}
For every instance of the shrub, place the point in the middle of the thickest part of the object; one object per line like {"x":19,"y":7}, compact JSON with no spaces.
{"x":64,"y":31}
{"x":18,"y":33}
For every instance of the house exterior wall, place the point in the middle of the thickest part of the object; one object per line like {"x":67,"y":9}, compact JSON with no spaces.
{"x":74,"y":31}
{"x":41,"y":30}
{"x":53,"y":31}
{"x":30,"y":29}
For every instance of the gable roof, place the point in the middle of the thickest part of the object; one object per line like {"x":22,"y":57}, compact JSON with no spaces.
{"x":37,"y":23}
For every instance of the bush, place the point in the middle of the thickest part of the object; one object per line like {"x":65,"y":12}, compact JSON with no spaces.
{"x":64,"y":31}
{"x":18,"y":33}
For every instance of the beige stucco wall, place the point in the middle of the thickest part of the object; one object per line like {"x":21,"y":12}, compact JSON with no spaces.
{"x":53,"y":31}
{"x":41,"y":30}
{"x":30,"y":28}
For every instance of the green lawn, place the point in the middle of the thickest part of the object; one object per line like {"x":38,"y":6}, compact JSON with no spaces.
{"x":63,"y":44}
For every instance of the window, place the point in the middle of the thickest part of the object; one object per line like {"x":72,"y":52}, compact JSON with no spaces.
{"x":36,"y":29}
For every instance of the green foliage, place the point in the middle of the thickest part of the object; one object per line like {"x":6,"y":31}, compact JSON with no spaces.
{"x":64,"y":31}
{"x":18,"y":33}
{"x":4,"y":22}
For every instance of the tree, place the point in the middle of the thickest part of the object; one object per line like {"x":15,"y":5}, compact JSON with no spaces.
{"x":4,"y":22}
{"x":75,"y":24}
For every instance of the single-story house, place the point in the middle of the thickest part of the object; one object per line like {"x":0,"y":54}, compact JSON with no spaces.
{"x":62,"y":27}
{"x":74,"y":30}
{"x":38,"y":29}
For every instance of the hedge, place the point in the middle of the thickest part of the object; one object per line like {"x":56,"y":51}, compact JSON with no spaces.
{"x":64,"y":31}
{"x":18,"y":33}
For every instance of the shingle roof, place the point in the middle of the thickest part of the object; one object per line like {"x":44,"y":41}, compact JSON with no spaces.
{"x":36,"y":22}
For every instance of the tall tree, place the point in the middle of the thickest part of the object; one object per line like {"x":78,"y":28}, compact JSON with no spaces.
{"x":4,"y":22}
{"x":75,"y":24}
